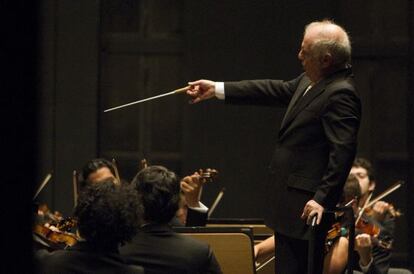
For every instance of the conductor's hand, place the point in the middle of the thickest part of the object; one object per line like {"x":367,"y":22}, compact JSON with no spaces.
{"x":311,"y":209}
{"x":201,"y":90}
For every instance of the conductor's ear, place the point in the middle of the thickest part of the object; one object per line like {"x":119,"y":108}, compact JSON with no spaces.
{"x":326,"y":60}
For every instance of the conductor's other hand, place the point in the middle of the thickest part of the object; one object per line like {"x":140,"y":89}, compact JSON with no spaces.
{"x":201,"y":90}
{"x":311,"y":209}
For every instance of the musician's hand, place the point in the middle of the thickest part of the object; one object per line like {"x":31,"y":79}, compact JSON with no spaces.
{"x":201,"y":90}
{"x":265,"y":248}
{"x":363,"y":246}
{"x":380,"y":210}
{"x":192,"y":187}
{"x":311,"y":209}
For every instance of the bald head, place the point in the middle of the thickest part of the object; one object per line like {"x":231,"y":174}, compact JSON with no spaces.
{"x":328,"y":38}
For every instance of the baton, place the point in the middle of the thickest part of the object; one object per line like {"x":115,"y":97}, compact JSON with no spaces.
{"x":177,"y":91}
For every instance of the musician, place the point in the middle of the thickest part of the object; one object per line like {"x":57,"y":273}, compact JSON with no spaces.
{"x":108,"y":215}
{"x":157,"y":247}
{"x":96,"y":170}
{"x":316,"y":143}
{"x":372,"y":254}
{"x":192,"y":212}
{"x":373,"y":258}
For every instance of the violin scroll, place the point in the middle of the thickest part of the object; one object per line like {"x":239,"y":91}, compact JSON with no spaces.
{"x":208,"y":174}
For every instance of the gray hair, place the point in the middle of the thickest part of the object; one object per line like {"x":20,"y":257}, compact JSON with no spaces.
{"x":332,"y":39}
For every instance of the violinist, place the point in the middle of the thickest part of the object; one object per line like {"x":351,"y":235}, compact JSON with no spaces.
{"x":373,"y":252}
{"x":374,"y":258}
{"x":51,"y":230}
{"x":108,"y":215}
{"x":96,"y":170}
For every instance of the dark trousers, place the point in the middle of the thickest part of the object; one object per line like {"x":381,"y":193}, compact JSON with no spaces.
{"x":291,"y":255}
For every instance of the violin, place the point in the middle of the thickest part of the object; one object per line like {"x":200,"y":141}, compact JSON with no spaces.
{"x":208,"y":175}
{"x":53,"y":238}
{"x":365,"y":223}
{"x":363,"y":226}
{"x":368,"y":224}
{"x":52,"y":230}
{"x":367,"y":227}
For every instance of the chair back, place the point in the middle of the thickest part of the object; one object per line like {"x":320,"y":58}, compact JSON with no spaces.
{"x":232,"y":246}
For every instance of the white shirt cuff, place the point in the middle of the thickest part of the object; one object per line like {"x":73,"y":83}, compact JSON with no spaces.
{"x":219,"y":88}
{"x":365,"y":268}
{"x":201,"y":208}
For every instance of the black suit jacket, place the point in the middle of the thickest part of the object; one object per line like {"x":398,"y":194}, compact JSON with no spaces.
{"x":83,"y":258}
{"x":316,"y":143}
{"x":160,"y":250}
{"x":194,"y":218}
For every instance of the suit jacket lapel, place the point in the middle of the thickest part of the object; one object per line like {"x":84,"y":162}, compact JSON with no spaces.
{"x":298,"y":94}
{"x":301,"y":104}
{"x":294,"y":109}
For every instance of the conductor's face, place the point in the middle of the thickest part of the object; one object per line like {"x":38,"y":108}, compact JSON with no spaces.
{"x":310,"y":63}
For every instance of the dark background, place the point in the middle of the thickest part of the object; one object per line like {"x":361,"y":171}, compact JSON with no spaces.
{"x":86,"y":56}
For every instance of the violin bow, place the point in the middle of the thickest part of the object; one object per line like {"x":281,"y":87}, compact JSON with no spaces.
{"x":75,"y":188}
{"x":116,"y":171}
{"x":42,"y":185}
{"x":143,"y":164}
{"x":265,"y":263}
{"x":390,"y":190}
{"x":364,"y":207}
{"x":177,"y":91}
{"x":216,"y":201}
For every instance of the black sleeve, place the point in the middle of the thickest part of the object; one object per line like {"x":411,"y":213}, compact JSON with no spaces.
{"x":196,"y":218}
{"x":261,"y":92}
{"x":381,"y":261}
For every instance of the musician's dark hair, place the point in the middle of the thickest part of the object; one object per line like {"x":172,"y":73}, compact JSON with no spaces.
{"x":91,"y":167}
{"x":367,"y":165}
{"x":108,"y":214}
{"x":160,"y":192}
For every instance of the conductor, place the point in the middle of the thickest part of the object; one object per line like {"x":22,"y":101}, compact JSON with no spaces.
{"x":316,"y":142}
